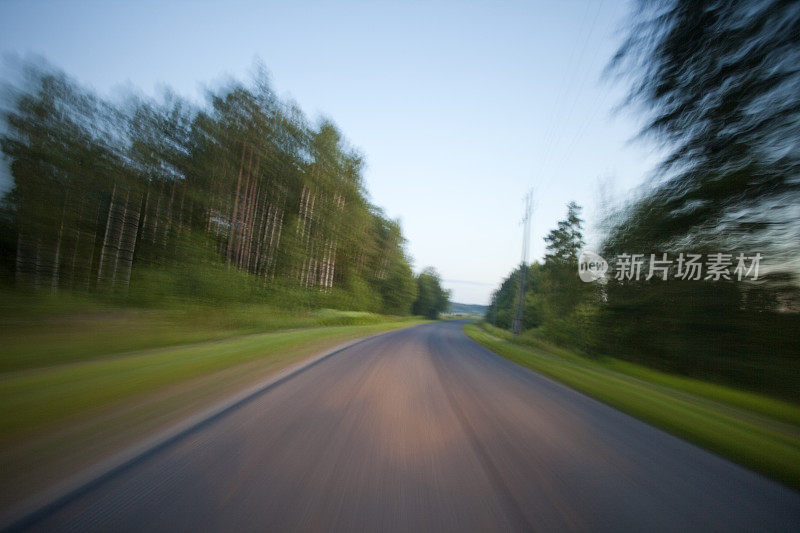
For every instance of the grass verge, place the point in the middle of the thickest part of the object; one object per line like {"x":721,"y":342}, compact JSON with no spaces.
{"x":758,"y":432}
{"x":39,"y":330}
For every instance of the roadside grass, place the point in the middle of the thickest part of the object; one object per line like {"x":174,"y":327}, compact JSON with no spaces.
{"x":39,"y":330}
{"x":772,"y":408}
{"x":758,"y":432}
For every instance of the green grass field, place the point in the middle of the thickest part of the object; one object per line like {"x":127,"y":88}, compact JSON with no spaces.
{"x":758,"y":432}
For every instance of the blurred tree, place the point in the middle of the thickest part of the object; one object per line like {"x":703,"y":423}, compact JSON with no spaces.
{"x":565,"y":242}
{"x":720,"y":85}
{"x":562,"y":287}
{"x":154,"y":199}
{"x":500,"y":311}
{"x":393,"y":280}
{"x":432,"y":299}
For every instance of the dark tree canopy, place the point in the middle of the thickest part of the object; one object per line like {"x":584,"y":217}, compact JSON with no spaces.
{"x":432,"y":299}
{"x":720,"y":84}
{"x":565,"y":242}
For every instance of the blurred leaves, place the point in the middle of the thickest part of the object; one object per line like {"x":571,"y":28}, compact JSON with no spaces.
{"x":719,"y":85}
{"x":152,"y":199}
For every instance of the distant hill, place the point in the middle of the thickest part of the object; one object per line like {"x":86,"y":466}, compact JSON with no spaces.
{"x":467,"y":309}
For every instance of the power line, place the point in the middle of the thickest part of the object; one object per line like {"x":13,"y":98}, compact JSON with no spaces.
{"x":523,"y":271}
{"x":553,"y":140}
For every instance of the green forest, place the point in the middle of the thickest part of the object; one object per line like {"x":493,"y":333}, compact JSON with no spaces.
{"x":149,"y":201}
{"x":716,"y":92}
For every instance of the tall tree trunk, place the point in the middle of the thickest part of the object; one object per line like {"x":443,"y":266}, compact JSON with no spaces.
{"x":105,"y":236}
{"x":74,"y":259}
{"x":19,"y":261}
{"x":302,"y":224}
{"x":251,"y":214}
{"x":272,"y":232}
{"x":168,"y":223}
{"x":251,"y":235}
{"x":231,"y":231}
{"x":119,"y":239}
{"x":92,"y":246}
{"x":180,"y":209}
{"x":57,"y":253}
{"x":56,"y":271}
{"x":76,"y":232}
{"x":263,"y":224}
{"x":130,"y":247}
{"x":309,"y":239}
{"x":37,"y":262}
{"x":144,"y":210}
{"x":277,"y":245}
{"x":157,"y":211}
{"x":242,"y":224}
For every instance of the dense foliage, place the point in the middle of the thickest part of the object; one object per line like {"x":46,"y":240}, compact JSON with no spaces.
{"x":241,"y":199}
{"x":432,"y":299}
{"x":720,"y":84}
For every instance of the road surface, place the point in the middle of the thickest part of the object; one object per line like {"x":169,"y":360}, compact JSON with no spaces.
{"x":425,"y":430}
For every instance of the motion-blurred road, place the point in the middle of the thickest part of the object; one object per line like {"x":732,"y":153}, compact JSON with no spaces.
{"x":424,"y":430}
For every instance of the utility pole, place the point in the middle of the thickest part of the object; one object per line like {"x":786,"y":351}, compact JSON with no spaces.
{"x":516,"y":326}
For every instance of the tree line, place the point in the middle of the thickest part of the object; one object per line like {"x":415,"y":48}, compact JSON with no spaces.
{"x":239,"y":199}
{"x":718,"y":84}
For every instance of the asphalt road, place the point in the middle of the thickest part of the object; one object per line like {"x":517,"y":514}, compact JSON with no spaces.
{"x":424,"y":430}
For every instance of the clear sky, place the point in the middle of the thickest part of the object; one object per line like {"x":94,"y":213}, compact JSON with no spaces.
{"x":459,"y":107}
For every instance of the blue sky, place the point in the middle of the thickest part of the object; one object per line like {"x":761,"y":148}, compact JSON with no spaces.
{"x":459,"y":107}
